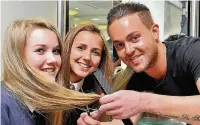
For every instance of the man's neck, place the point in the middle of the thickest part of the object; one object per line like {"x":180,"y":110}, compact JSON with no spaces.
{"x":159,"y":69}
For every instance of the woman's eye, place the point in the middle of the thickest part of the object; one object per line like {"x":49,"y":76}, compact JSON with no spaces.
{"x":96,"y":53}
{"x":57,"y":51}
{"x":135,"y":38}
{"x":80,"y":48}
{"x":40,"y":50}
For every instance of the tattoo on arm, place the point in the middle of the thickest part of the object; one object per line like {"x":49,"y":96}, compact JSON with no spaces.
{"x":183,"y":116}
{"x":196,"y":118}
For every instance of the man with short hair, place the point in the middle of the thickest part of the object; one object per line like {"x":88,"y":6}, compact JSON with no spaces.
{"x":166,"y":81}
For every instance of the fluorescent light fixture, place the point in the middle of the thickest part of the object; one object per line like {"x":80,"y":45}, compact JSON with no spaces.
{"x":77,"y":18}
{"x":85,"y":22}
{"x":95,"y":19}
{"x":73,"y":12}
{"x":102,"y":26}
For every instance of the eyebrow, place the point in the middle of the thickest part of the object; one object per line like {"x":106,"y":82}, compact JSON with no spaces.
{"x":43,"y":45}
{"x":86,"y":45}
{"x":57,"y":46}
{"x":127,"y":37}
{"x":98,"y":49}
{"x":115,"y":41}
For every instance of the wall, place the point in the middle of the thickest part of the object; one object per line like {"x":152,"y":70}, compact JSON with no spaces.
{"x":11,"y":10}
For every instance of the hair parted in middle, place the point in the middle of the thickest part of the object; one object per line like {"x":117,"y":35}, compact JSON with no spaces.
{"x":105,"y":63}
{"x":26,"y":82}
{"x":125,"y":9}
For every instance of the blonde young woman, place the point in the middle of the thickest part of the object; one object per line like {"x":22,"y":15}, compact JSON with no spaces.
{"x":32,"y":54}
{"x":87,"y":51}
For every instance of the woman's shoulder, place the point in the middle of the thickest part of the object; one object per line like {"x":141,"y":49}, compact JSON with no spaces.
{"x":7,"y":96}
{"x":13,"y":110}
{"x":9,"y":99}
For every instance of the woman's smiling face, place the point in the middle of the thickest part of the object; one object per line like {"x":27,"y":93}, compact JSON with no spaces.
{"x":42,"y":52}
{"x":85,"y":55}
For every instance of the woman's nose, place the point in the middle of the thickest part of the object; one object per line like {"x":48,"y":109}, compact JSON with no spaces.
{"x":87,"y":56}
{"x":50,"y":58}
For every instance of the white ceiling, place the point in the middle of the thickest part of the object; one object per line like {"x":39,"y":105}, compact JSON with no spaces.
{"x":88,"y":10}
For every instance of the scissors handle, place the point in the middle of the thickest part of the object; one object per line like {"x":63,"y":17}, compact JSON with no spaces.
{"x":87,"y":108}
{"x":88,"y":111}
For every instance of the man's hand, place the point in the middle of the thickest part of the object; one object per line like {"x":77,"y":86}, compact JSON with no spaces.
{"x":123,"y":104}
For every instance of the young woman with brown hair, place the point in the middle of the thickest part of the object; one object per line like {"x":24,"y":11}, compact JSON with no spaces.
{"x":33,"y":75}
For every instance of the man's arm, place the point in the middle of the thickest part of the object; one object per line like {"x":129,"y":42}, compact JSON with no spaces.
{"x":124,"y":104}
{"x":185,"y":109}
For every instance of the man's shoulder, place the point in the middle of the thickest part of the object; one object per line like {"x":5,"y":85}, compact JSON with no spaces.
{"x":177,"y":49}
{"x":188,"y":40}
{"x":181,"y":42}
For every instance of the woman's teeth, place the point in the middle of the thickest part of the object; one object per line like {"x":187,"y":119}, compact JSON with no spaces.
{"x":49,"y":70}
{"x":83,"y":65}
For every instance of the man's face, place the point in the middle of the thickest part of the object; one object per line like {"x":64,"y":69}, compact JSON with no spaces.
{"x":136,"y":45}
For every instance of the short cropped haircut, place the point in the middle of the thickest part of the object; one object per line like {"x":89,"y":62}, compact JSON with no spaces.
{"x":124,"y":9}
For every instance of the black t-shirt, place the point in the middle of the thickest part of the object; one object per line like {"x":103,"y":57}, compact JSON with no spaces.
{"x":183,"y":70}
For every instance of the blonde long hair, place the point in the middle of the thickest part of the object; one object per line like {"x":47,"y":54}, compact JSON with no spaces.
{"x":105,"y":64}
{"x":26,"y":82}
{"x":120,"y":80}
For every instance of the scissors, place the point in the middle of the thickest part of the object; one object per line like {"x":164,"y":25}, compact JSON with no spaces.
{"x":87,"y":109}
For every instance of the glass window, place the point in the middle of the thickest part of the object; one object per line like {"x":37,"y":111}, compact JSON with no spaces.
{"x":176,"y":18}
{"x":171,"y":16}
{"x":83,"y":12}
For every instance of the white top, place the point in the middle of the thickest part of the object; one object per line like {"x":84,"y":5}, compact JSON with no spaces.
{"x":78,"y":85}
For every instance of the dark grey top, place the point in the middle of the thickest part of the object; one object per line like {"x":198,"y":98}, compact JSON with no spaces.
{"x":14,"y":112}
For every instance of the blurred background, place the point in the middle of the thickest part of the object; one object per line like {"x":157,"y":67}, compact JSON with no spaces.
{"x":173,"y":17}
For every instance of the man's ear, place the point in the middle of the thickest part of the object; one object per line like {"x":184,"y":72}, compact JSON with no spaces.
{"x":155,"y":31}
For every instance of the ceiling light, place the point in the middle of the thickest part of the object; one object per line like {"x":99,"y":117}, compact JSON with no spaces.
{"x":95,"y":19}
{"x":85,"y":22}
{"x":102,"y":26}
{"x":73,"y":12}
{"x":77,"y":18}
